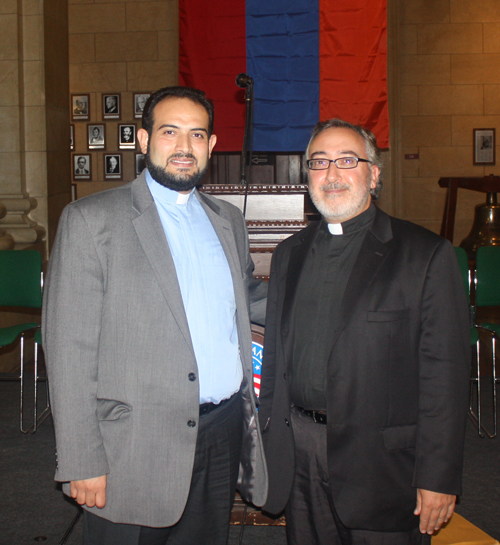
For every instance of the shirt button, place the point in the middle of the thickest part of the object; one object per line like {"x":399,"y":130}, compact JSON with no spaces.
{"x":192,"y":377}
{"x":286,"y":422}
{"x":191,"y":423}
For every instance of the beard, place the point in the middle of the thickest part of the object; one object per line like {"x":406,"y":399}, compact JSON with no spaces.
{"x":176,"y":182}
{"x":331,"y":209}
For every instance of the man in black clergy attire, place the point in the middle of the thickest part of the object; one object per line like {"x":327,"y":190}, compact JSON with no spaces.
{"x":366,"y":363}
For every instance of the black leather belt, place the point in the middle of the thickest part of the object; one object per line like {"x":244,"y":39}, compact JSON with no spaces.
{"x":318,"y":416}
{"x":206,"y":408}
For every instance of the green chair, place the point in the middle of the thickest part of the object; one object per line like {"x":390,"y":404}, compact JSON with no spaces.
{"x":475,"y":382}
{"x":20,"y":286}
{"x":487,"y":294}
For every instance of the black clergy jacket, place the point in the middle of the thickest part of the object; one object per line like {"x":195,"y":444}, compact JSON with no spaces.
{"x":397,"y":376}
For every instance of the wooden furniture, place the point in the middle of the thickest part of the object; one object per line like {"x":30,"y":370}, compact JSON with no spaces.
{"x":487,"y":184}
{"x":272,"y":212}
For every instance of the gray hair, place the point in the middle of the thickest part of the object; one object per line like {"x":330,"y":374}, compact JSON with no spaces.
{"x":372,"y":149}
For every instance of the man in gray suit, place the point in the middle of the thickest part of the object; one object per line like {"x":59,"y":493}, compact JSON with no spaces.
{"x":146,"y":326}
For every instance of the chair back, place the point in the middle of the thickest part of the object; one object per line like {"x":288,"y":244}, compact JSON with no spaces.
{"x":463,"y":263}
{"x":488,"y":276}
{"x":20,"y":278}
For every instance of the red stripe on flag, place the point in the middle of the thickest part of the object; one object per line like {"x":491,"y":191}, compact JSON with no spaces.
{"x":353,"y":64}
{"x":212,"y":52}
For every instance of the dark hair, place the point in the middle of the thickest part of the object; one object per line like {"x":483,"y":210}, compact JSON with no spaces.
{"x":372,"y":149}
{"x":195,"y":95}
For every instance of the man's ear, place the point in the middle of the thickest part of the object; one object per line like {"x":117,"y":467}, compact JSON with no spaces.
{"x":375,"y":170}
{"x":211,"y":144}
{"x":143,"y":137}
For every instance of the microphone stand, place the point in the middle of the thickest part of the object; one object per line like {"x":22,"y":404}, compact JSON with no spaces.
{"x":247,"y":142}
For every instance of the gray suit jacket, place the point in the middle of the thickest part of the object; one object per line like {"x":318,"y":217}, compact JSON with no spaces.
{"x":119,"y":353}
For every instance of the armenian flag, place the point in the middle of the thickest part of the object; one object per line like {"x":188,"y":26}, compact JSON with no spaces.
{"x":310,"y":60}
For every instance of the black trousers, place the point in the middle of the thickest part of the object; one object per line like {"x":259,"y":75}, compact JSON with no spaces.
{"x":208,"y":509}
{"x":311,"y":517}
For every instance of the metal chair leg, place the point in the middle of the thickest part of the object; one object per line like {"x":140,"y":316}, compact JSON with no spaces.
{"x":476,"y":416}
{"x":46,"y":411}
{"x":476,"y":381}
{"x":494,"y":383}
{"x":21,"y":377}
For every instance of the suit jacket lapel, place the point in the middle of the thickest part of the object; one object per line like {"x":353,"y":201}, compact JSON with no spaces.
{"x":152,"y":238}
{"x":224,"y":232}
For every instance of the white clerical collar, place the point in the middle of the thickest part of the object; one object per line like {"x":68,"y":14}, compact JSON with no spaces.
{"x":182,"y":198}
{"x":335,"y":228}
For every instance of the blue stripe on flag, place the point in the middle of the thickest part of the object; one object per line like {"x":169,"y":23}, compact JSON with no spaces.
{"x":283,"y":60}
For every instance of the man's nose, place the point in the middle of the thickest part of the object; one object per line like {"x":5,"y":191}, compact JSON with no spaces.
{"x":333,"y":172}
{"x":183,"y":143}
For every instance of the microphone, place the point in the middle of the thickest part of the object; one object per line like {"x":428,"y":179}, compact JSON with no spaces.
{"x":243,"y":80}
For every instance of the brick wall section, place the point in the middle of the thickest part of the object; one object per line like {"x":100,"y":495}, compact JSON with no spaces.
{"x":449,"y":83}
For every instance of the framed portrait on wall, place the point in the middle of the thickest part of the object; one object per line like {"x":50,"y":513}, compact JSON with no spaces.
{"x":111,"y":106}
{"x":80,"y":107}
{"x":140,"y":100}
{"x":113,"y":166}
{"x":82,"y":166}
{"x":96,"y":136}
{"x":126,"y":136}
{"x":484,"y":146}
{"x":140,"y":163}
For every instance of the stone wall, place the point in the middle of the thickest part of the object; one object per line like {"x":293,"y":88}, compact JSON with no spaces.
{"x":121,"y":47}
{"x":448,"y":72}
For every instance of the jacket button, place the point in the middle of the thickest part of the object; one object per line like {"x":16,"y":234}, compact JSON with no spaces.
{"x":286,"y":422}
{"x":191,"y":423}
{"x":192,"y":377}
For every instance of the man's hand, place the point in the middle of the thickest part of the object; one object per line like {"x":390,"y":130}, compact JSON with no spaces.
{"x":434,"y":509}
{"x":90,"y":492}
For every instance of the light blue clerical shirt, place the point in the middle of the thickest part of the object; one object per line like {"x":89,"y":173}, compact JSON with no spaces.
{"x":206,"y":288}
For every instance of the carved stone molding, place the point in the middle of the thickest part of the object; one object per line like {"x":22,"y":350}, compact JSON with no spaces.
{"x":6,"y":241}
{"x":16,"y":223}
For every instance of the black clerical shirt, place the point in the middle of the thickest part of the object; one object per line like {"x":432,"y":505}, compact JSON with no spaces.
{"x":318,"y":298}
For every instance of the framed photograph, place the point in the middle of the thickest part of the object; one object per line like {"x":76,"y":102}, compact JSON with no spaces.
{"x":484,"y":146}
{"x":82,"y":166}
{"x":140,"y":100}
{"x":71,"y":136}
{"x":126,"y":136}
{"x":111,"y":106}
{"x":80,"y":107}
{"x":96,"y":136}
{"x":140,"y":163}
{"x":113,"y":166}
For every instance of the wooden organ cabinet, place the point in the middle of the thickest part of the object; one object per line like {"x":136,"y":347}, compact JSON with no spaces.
{"x":273,"y":213}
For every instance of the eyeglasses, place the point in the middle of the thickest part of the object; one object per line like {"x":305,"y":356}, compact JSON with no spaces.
{"x":341,"y":162}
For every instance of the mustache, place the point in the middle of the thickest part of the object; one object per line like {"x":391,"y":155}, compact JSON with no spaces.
{"x":182,"y":156}
{"x":333,"y":186}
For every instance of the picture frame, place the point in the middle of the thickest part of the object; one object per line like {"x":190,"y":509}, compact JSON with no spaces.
{"x":484,"y":146}
{"x":140,"y":163}
{"x":140,"y":100}
{"x":96,"y":136}
{"x":73,"y":192}
{"x":80,"y":107}
{"x":71,"y":136}
{"x":127,"y":136}
{"x":111,"y":106}
{"x":113,"y":166}
{"x":82,"y":166}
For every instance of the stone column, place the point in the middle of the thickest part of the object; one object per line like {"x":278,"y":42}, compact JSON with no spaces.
{"x":28,"y":118}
